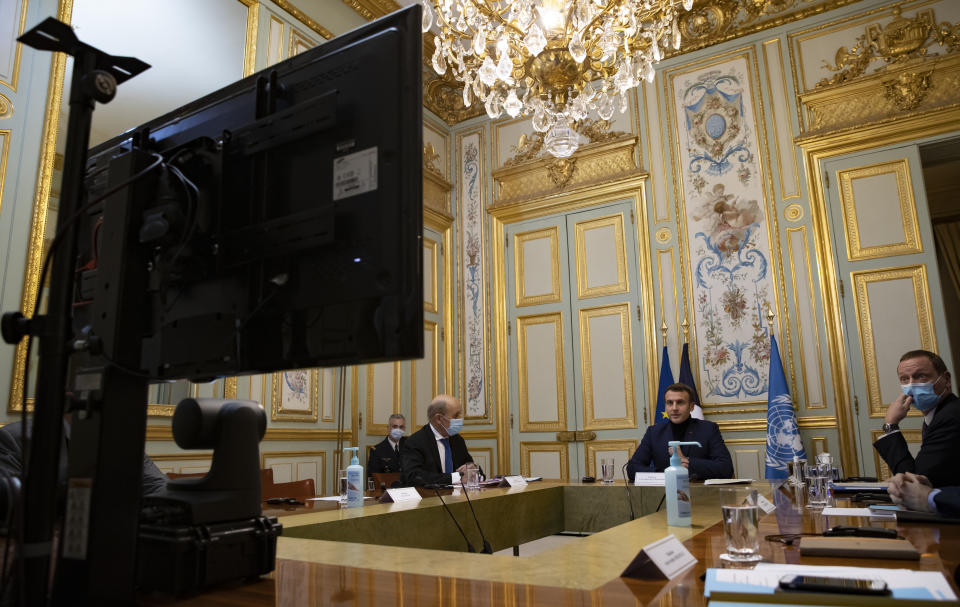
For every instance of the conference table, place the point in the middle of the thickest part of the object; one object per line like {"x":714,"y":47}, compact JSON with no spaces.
{"x":413,"y":554}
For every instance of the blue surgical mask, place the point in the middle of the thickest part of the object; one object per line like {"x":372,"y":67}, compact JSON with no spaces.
{"x":924,"y":397}
{"x":456,"y":424}
{"x":396,"y":433}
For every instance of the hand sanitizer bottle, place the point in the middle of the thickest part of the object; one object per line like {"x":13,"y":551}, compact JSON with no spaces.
{"x":677,"y":485}
{"x":354,"y":480}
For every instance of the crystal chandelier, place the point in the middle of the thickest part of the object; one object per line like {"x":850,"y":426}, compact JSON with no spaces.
{"x":552,"y":59}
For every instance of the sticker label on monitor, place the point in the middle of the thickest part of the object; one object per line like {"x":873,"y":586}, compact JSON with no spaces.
{"x":355,"y":174}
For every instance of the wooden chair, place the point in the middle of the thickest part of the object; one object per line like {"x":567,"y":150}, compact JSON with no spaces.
{"x":297,"y":489}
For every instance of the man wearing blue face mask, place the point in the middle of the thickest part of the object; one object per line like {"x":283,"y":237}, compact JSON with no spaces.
{"x":925,"y":382}
{"x":386,"y":455}
{"x":436,"y":454}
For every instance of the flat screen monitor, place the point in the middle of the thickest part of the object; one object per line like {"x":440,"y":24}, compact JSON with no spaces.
{"x":283,"y":227}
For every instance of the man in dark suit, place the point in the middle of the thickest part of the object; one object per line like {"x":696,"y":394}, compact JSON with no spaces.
{"x":916,"y":493}
{"x":11,"y":457}
{"x":712,"y":460}
{"x":436,"y":454}
{"x":386,"y":454}
{"x":925,"y":382}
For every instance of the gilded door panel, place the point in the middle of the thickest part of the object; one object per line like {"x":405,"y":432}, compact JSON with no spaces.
{"x":383,"y":396}
{"x":548,"y":459}
{"x":807,"y":325}
{"x":328,"y":393}
{"x":606,"y":354}
{"x":601,"y":257}
{"x":424,"y":374}
{"x":541,"y":373}
{"x":430,"y":250}
{"x":896,"y":293}
{"x":879,"y":210}
{"x":537,"y":267}
{"x":619,"y":450}
{"x":889,"y":282}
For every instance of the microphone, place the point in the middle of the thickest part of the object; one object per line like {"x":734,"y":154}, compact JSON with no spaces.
{"x":626,"y":487}
{"x":486,"y":545}
{"x":436,"y":489}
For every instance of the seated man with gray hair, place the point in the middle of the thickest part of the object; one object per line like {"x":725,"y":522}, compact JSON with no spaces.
{"x":436,"y":454}
{"x":386,"y":454}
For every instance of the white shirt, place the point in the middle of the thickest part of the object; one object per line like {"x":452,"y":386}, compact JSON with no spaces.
{"x":394,"y":443}
{"x":454,"y":476}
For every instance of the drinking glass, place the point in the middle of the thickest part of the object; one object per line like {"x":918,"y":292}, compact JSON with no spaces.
{"x":371,"y":486}
{"x":342,"y":475}
{"x":797,"y":469}
{"x":740,"y":532}
{"x":471,"y":477}
{"x":606,"y":471}
{"x":821,"y":476}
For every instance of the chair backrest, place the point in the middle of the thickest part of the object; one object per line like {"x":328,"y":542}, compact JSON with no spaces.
{"x":266,"y":477}
{"x":385,"y":478}
{"x":298,"y":489}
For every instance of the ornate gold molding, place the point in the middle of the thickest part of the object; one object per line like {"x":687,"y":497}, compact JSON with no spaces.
{"x":443,"y":95}
{"x":6,"y":107}
{"x":372,"y":9}
{"x":436,"y":192}
{"x":304,"y":18}
{"x":593,"y":164}
{"x":896,"y":42}
{"x":908,"y":88}
{"x":743,"y":425}
{"x":164,"y":432}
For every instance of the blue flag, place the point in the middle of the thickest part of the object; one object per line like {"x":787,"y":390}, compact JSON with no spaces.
{"x":783,"y":437}
{"x":686,"y":377}
{"x":666,"y":379}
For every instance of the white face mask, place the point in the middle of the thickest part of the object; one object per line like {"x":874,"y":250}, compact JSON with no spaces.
{"x":396,"y":433}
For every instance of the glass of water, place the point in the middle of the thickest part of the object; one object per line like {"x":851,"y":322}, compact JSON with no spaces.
{"x":821,"y":477}
{"x":606,"y":470}
{"x":741,"y":522}
{"x":342,"y":475}
{"x":797,"y":470}
{"x":471,"y":477}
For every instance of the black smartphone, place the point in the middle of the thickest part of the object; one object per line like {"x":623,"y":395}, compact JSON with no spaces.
{"x":812,"y":583}
{"x":841,"y":530}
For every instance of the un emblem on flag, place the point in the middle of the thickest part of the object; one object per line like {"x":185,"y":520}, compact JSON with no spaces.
{"x":783,"y":436}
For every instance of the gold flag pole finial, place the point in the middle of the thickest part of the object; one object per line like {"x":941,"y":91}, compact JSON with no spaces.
{"x":663,"y":329}
{"x":770,"y":317}
{"x":686,"y":330}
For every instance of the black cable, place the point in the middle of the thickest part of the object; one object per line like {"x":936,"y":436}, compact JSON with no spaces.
{"x":486,"y":545}
{"x":626,"y":487}
{"x":453,"y":518}
{"x":661,"y":502}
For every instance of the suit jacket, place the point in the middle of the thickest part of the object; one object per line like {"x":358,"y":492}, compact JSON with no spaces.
{"x":421,"y":459}
{"x":712,"y":460}
{"x":937,"y":456}
{"x":11,"y":458}
{"x":948,"y":501}
{"x":384,"y":458}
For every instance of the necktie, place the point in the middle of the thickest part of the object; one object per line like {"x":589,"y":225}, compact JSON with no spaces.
{"x":447,"y":456}
{"x":923,"y":431}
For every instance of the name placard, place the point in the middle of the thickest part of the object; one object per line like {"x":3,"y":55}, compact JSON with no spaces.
{"x":765,"y":504}
{"x":401,"y":495}
{"x":649,"y":479}
{"x":513,"y":481}
{"x":663,"y":559}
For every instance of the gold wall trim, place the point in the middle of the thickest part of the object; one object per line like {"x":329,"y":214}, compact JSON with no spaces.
{"x":304,"y":18}
{"x":903,"y":90}
{"x":4,"y":151}
{"x":172,"y":457}
{"x":6,"y":107}
{"x":802,"y":231}
{"x":724,"y":410}
{"x":436,"y":192}
{"x":793,"y":212}
{"x":520,"y":240}
{"x":381,"y":428}
{"x":372,"y":9}
{"x":593,"y":164}
{"x":545,"y":447}
{"x":320,"y":488}
{"x":523,"y":322}
{"x":431,"y":304}
{"x":298,"y":42}
{"x":910,"y":244}
{"x":599,"y":446}
{"x":789,"y":153}
{"x":745,"y":441}
{"x":479,"y":435}
{"x":31,"y":273}
{"x":444,"y":225}
{"x":591,"y":421}
{"x":742,"y":425}
{"x":928,"y":340}
{"x":250,"y":37}
{"x":818,"y":445}
{"x":165,"y":433}
{"x":15,"y":74}
{"x":433,"y":335}
{"x":274,"y":41}
{"x":584,"y":291}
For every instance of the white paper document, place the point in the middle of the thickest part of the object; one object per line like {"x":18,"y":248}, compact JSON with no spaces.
{"x":728,"y":481}
{"x":648,"y":479}
{"x":862,"y":512}
{"x":765,"y":578}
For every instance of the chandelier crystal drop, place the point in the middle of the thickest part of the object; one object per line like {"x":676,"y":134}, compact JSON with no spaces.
{"x":552,"y":59}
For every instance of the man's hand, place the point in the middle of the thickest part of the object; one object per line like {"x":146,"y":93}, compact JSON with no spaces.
{"x":911,"y":491}
{"x":462,"y":469}
{"x":683,"y":458}
{"x":898,"y":409}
